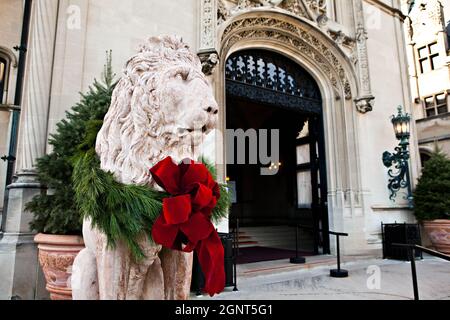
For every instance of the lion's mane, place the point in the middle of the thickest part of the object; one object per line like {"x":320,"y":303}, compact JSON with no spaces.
{"x":135,"y":136}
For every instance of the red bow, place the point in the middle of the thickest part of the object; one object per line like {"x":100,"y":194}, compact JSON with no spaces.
{"x":186,"y":217}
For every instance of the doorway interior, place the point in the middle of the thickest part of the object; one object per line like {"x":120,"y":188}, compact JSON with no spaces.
{"x":266,"y":90}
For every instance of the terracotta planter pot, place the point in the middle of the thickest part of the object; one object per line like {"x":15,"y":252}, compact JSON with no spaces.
{"x":439,"y":233}
{"x":56,"y":256}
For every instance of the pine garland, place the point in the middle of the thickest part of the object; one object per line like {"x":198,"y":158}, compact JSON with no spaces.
{"x":123,"y":212}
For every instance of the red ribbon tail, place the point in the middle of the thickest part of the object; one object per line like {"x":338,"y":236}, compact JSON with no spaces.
{"x":211,"y":259}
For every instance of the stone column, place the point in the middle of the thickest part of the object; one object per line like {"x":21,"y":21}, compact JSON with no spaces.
{"x":364,"y":101}
{"x":21,"y":275}
{"x":209,"y":57}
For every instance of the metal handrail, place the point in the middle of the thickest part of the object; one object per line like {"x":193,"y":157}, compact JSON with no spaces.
{"x":412,"y":258}
{"x":426,"y":250}
{"x":341,"y":234}
{"x":335,"y":273}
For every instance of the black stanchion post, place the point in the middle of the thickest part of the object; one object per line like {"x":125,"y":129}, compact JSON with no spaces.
{"x":338,"y":273}
{"x":237,"y":236}
{"x":236,"y":252}
{"x":412,"y":258}
{"x":297,"y":259}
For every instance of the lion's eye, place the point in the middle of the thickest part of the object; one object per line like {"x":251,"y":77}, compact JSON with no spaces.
{"x":182,"y":75}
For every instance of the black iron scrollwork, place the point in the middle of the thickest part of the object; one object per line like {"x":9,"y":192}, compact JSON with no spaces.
{"x":399,"y":174}
{"x":267,"y":77}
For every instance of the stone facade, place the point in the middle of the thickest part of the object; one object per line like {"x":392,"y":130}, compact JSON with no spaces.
{"x":427,"y":33}
{"x":354,"y":49}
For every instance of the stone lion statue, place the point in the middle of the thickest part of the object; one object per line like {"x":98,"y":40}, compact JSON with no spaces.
{"x":162,"y":106}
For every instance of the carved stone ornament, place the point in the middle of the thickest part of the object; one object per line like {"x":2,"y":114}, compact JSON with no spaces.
{"x":302,"y":40}
{"x":162,"y":106}
{"x":318,"y":7}
{"x":208,"y":22}
{"x":209,"y":61}
{"x":342,"y":39}
{"x":222,"y":11}
{"x":364,"y":104}
{"x":365,"y":101}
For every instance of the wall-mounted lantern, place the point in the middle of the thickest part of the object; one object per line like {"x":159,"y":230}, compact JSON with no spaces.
{"x":398,"y":162}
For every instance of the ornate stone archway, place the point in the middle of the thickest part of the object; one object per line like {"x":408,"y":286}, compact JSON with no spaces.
{"x":300,"y":37}
{"x":335,"y":74}
{"x":343,"y":52}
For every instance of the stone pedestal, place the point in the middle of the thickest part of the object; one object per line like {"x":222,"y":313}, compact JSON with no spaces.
{"x":22,"y":278}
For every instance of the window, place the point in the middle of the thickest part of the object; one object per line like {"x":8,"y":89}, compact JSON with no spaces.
{"x":428,"y":57}
{"x":436,"y":105}
{"x":424,"y":157}
{"x":3,"y":77}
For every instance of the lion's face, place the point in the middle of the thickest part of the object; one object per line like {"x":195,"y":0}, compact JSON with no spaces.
{"x":188,"y":106}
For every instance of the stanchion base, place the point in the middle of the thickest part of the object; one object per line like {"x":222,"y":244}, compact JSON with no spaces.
{"x":341,"y":273}
{"x":298,"y":260}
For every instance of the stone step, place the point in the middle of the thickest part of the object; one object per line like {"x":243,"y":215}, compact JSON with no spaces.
{"x":282,"y":237}
{"x":277,"y":236}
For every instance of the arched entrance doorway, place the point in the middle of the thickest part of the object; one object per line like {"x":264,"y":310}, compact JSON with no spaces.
{"x":267,"y":91}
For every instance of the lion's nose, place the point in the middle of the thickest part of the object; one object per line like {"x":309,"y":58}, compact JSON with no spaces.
{"x":212,"y":110}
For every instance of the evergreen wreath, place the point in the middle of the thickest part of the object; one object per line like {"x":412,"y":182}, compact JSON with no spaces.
{"x":123,"y":212}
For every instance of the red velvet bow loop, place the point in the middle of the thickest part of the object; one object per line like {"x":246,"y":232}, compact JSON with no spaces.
{"x":188,"y":212}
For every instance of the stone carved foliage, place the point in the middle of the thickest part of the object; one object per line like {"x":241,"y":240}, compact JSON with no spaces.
{"x":361,"y":37}
{"x":364,"y":102}
{"x":222,"y":11}
{"x":314,"y":10}
{"x":319,"y":7}
{"x":207,"y":24}
{"x":296,"y":7}
{"x":301,"y":39}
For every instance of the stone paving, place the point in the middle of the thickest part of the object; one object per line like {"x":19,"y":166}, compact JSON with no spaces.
{"x":370,"y":279}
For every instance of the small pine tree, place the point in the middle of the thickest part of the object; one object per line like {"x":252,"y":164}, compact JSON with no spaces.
{"x":432,"y":195}
{"x":57,"y":212}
